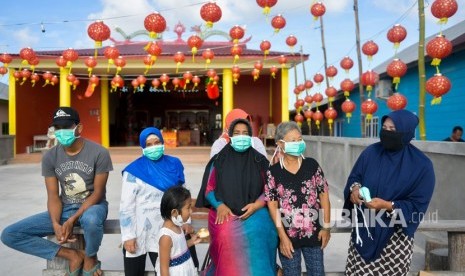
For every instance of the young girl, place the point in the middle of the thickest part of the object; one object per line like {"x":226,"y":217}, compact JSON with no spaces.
{"x":174,"y":256}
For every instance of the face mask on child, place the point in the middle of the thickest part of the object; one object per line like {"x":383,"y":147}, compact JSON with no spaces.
{"x":178,"y":221}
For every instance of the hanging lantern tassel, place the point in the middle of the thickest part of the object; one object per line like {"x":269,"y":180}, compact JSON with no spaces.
{"x":330,"y":123}
{"x":436,"y":62}
{"x":194,"y":52}
{"x":110,"y":62}
{"x":436,"y":100}
{"x":177,"y":66}
{"x":348,"y":116}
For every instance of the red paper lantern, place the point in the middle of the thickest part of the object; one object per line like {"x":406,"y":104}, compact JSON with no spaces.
{"x":308,"y":99}
{"x":330,"y":115}
{"x":308,"y":84}
{"x":347,"y":86}
{"x":111,"y":53}
{"x":34,"y":78}
{"x":142,"y":80}
{"x":318,"y":78}
{"x":236,"y":33}
{"x":33,"y":62}
{"x":443,"y":9}
{"x":26,"y":54}
{"x":70,"y":78}
{"x":278,"y":22}
{"x":331,"y":92}
{"x":187,"y":76}
{"x":258,"y":65}
{"x":90,"y":62}
{"x":369,"y":107}
{"x":99,"y":32}
{"x":438,"y":48}
{"x":3,"y":70}
{"x":291,"y":41}
{"x":369,"y":79}
{"x":208,"y":55}
{"x":213,"y":91}
{"x":266,"y":5}
{"x":273,"y":71}
{"x":175,"y":83}
{"x":236,"y":73}
{"x":282,"y":59}
{"x":76,"y":83}
{"x":196,"y":81}
{"x":348,"y":107}
{"x":194,"y":42}
{"x":317,"y":97}
{"x":154,"y":50}
{"x":47,"y":76}
{"x":331,"y":72}
{"x":255,"y":74}
{"x":155,"y":24}
{"x":6,"y":59}
{"x":346,"y":63}
{"x":396,"y":35}
{"x":308,"y":114}
{"x":437,"y":86}
{"x":70,"y":55}
{"x":397,"y":101}
{"x":17,"y":75}
{"x":317,"y":117}
{"x":54,"y":80}
{"x":155,"y":83}
{"x":396,"y":69}
{"x":164,"y":78}
{"x":370,"y":48}
{"x":211,"y":73}
{"x":236,"y":52}
{"x":299,"y":119}
{"x":135,"y":85}
{"x":211,"y":13}
{"x":120,"y":62}
{"x":265,"y":46}
{"x":179,"y":59}
{"x":299,"y":103}
{"x":25,"y":74}
{"x":317,"y":10}
{"x":116,"y":82}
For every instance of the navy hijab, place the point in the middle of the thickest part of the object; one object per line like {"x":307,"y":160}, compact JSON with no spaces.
{"x":405,"y":177}
{"x":163,"y":173}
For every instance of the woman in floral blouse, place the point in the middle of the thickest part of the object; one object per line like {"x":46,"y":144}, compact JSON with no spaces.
{"x":298,"y":200}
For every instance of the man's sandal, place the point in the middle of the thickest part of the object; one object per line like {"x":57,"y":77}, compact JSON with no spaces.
{"x":93,"y":270}
{"x":77,"y":272}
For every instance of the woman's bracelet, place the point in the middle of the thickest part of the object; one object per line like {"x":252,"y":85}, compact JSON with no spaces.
{"x":355,"y":184}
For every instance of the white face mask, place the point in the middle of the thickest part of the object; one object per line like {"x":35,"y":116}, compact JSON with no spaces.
{"x":178,"y":221}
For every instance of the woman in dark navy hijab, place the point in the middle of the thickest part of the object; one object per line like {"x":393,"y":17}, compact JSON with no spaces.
{"x":400,"y":180}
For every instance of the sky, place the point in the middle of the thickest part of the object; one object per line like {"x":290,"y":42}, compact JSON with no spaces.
{"x":57,"y":25}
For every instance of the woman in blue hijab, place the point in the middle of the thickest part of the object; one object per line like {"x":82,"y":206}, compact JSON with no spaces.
{"x":400,"y":180}
{"x":144,"y":182}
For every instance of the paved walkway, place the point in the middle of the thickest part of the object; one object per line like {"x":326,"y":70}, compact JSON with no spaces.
{"x":22,"y":193}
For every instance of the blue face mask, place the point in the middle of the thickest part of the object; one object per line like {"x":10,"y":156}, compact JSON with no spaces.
{"x":294,"y":148}
{"x":241,"y":143}
{"x":154,"y":152}
{"x":66,"y":137}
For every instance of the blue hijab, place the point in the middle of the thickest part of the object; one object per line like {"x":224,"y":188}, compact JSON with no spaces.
{"x":405,"y":177}
{"x":162,"y":173}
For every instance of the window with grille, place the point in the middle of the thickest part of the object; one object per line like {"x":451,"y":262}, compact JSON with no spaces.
{"x":372,"y":127}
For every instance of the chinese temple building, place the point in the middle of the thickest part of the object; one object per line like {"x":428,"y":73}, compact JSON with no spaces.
{"x":118,"y":90}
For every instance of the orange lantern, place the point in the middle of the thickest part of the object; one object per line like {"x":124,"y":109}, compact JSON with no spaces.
{"x":308,"y":99}
{"x":236,"y":73}
{"x":70,"y":55}
{"x":111,"y":53}
{"x":34,"y":78}
{"x":331,"y":92}
{"x":33,"y":62}
{"x":282,"y":60}
{"x":155,"y":83}
{"x":26,"y":54}
{"x":120,"y":62}
{"x":369,"y":79}
{"x":54,"y":80}
{"x":6,"y":59}
{"x":236,"y":52}
{"x":155,"y":24}
{"x":61,"y":62}
{"x":211,"y":13}
{"x":273,"y":71}
{"x":187,"y":76}
{"x":317,"y":117}
{"x":308,"y":114}
{"x":17,"y":75}
{"x":3,"y":70}
{"x":164,"y":78}
{"x":116,"y":82}
{"x":299,"y":119}
{"x":135,"y":85}
{"x":396,"y":69}
{"x":196,"y":81}
{"x":70,"y":78}
{"x":25,"y":74}
{"x":331,"y":72}
{"x":175,"y":83}
{"x":142,"y":80}
{"x":318,"y":78}
{"x":47,"y":76}
{"x":317,"y":98}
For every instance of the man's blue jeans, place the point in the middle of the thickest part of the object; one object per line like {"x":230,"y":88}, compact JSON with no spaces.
{"x":313,"y":257}
{"x":27,"y":235}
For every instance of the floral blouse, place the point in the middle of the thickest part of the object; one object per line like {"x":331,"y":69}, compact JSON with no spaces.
{"x":298,"y":197}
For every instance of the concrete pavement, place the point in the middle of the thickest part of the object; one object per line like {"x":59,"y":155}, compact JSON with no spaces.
{"x":22,"y":193}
